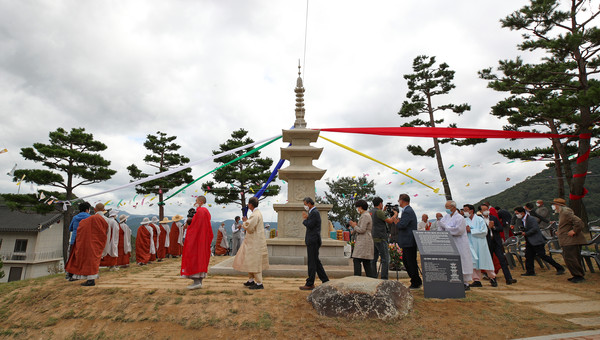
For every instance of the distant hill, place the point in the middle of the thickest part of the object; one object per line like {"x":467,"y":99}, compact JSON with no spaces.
{"x":543,"y":186}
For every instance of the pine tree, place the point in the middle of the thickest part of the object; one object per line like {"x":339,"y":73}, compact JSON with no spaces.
{"x":565,"y":33}
{"x":69,"y":156}
{"x":241,"y":178}
{"x":427,"y":82}
{"x":343,"y":193}
{"x":163,"y":157}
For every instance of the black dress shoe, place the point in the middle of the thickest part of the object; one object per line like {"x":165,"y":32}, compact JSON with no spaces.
{"x":89,"y":283}
{"x":476,"y":284}
{"x":414,"y":286}
{"x":71,"y":279}
{"x":528,"y":274}
{"x":511,"y":281}
{"x":467,"y":287}
{"x":560,"y":271}
{"x":494,"y":282}
{"x":249,"y":283}
{"x":257,"y":286}
{"x":577,"y":279}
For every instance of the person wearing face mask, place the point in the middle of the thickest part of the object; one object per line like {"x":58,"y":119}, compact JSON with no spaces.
{"x":534,"y":242}
{"x":495,"y":243}
{"x":363,"y":244}
{"x":406,"y":240}
{"x":455,"y":223}
{"x":312,"y":239}
{"x":253,"y":257}
{"x":570,"y":238}
{"x":482,"y":259}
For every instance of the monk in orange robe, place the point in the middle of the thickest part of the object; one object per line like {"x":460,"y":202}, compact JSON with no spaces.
{"x":124,"y":242}
{"x":176,"y":236}
{"x":84,"y":261}
{"x":155,"y":232}
{"x":112,"y":245}
{"x":222,"y":245}
{"x":163,"y":239}
{"x":196,"y":249}
{"x":144,"y":243}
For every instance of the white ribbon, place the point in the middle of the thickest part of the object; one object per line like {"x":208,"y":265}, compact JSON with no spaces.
{"x":172,"y":171}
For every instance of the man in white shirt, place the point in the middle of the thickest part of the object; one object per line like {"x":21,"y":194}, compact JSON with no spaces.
{"x":424,"y":224}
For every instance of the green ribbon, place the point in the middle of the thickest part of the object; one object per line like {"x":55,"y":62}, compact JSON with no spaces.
{"x":222,"y":166}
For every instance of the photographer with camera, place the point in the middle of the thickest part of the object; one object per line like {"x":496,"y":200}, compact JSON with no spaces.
{"x":380,"y":237}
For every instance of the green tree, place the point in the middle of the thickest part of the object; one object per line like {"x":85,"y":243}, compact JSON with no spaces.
{"x":244,"y":176}
{"x":565,"y":34}
{"x":163,"y":158}
{"x":428,"y":81}
{"x":30,"y":203}
{"x":70,"y":157}
{"x":343,"y":193}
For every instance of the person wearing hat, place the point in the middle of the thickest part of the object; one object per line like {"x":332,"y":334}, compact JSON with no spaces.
{"x":155,"y":234}
{"x":111,"y":250}
{"x":176,"y":236}
{"x":144,"y":243}
{"x":124,"y":242}
{"x":196,"y":249}
{"x":163,"y":239}
{"x":570,"y":238}
{"x":84,"y":260}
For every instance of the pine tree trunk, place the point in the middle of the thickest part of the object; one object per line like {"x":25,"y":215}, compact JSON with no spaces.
{"x":161,"y":207}
{"x":558,"y":169}
{"x":438,"y":153}
{"x":438,"y":157}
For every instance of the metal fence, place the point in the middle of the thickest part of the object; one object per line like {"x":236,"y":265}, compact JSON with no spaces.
{"x":31,"y":257}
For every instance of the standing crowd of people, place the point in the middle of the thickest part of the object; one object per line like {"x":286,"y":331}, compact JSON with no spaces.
{"x":478,"y":233}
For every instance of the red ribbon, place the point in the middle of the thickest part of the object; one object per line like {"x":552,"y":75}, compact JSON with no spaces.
{"x":578,"y":197}
{"x":579,"y":175}
{"x":583,"y":157}
{"x":444,"y":132}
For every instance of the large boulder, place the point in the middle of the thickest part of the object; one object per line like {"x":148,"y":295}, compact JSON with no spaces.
{"x":362,"y":297}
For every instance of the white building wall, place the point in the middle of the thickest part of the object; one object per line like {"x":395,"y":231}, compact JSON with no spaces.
{"x":9,"y":239}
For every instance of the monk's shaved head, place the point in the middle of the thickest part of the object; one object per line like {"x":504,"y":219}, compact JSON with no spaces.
{"x":201,"y":200}
{"x":99,"y":207}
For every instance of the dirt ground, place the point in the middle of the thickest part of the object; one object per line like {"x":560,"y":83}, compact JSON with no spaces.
{"x":151,"y":302}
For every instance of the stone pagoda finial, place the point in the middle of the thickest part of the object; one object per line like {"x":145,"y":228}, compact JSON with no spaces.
{"x":300,"y":122}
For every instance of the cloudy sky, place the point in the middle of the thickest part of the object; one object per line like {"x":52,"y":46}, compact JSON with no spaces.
{"x":201,"y":69}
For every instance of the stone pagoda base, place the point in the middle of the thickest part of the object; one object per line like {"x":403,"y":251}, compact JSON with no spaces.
{"x":292,"y":251}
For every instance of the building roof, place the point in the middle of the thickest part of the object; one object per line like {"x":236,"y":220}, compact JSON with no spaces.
{"x":17,"y":221}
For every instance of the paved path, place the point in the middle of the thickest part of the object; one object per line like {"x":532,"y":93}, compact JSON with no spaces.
{"x":581,"y":310}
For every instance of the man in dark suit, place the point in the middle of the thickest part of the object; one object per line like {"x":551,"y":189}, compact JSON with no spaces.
{"x":534,"y":242}
{"x":312,"y":222}
{"x":406,"y":240}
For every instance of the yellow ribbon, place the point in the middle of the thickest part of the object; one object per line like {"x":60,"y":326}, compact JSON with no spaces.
{"x":436,"y":190}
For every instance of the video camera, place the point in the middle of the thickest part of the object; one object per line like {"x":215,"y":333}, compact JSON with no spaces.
{"x":390,"y":208}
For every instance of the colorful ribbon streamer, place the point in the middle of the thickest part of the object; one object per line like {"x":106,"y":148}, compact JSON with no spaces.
{"x":436,"y":190}
{"x":444,"y":132}
{"x":183,"y":167}
{"x":222,"y":166}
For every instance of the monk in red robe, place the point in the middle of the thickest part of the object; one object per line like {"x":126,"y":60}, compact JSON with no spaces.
{"x":143,"y":243}
{"x":155,"y":232}
{"x":196,"y":249}
{"x":176,"y":236}
{"x":84,"y":261}
{"x":124,"y":242}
